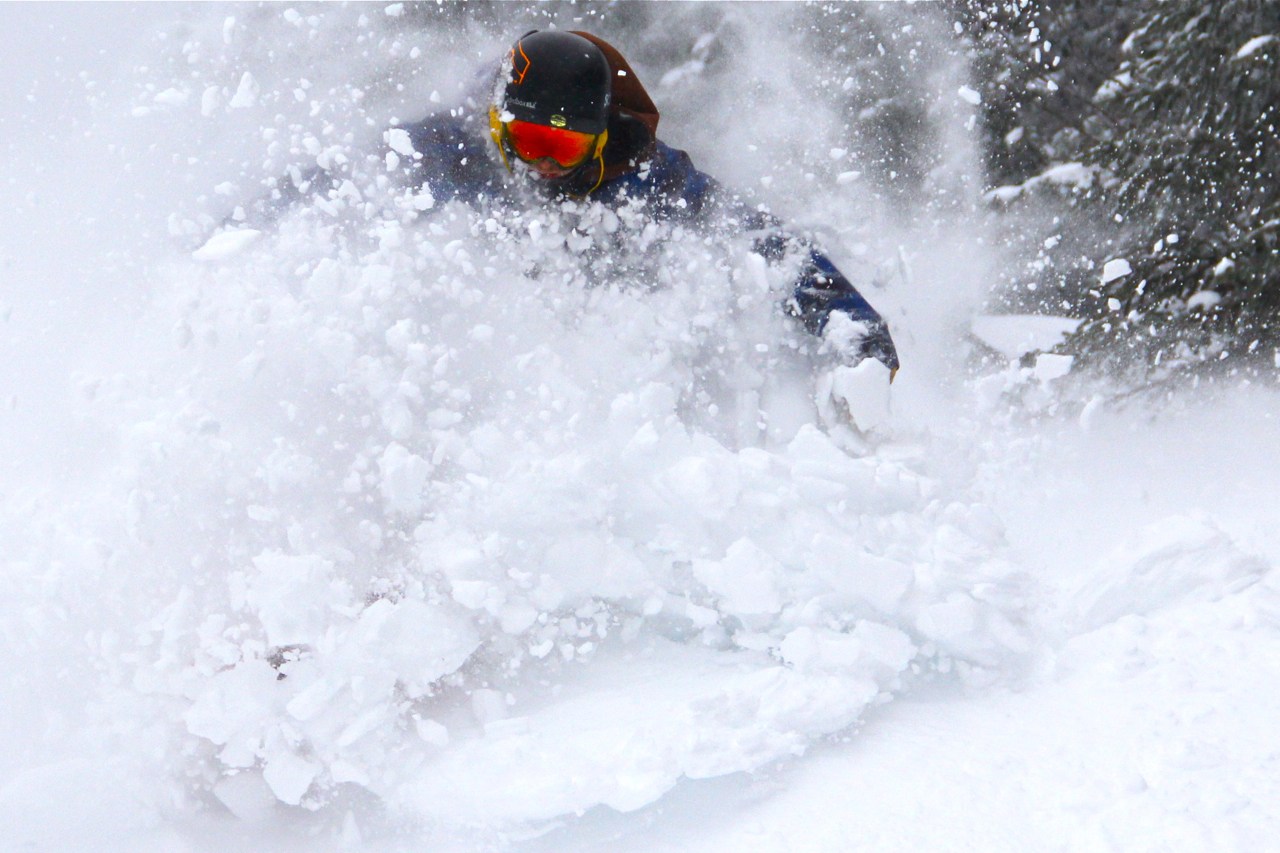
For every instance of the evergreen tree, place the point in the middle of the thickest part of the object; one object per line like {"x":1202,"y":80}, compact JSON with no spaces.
{"x":1193,"y":169}
{"x":1169,"y":110}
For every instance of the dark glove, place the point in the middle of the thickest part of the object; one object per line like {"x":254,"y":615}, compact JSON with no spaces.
{"x":878,"y":344}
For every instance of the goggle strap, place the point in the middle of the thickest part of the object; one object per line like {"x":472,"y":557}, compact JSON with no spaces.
{"x":498,"y":131}
{"x":599,"y":156}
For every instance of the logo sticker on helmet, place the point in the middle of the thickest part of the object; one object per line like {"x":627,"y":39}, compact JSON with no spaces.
{"x":558,"y":121}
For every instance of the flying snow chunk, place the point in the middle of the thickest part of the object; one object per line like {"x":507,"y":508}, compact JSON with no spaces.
{"x":404,"y":477}
{"x":226,"y":244}
{"x":1114,"y":269}
{"x":1075,"y":175}
{"x":246,"y":93}
{"x":398,"y":140}
{"x":1015,"y":335}
{"x":1252,"y":46}
{"x":1223,"y":266}
{"x":969,"y":95}
{"x":395,"y":10}
{"x":210,"y":100}
{"x":1050,"y":366}
{"x":1113,"y":87}
{"x":1204,"y":299}
{"x":171,"y":97}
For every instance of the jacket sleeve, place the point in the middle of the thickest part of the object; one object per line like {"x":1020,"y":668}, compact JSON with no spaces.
{"x":449,"y":159}
{"x":820,"y":288}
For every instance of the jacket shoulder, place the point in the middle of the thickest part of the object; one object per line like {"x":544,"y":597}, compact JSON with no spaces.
{"x":668,"y":178}
{"x":448,"y":155}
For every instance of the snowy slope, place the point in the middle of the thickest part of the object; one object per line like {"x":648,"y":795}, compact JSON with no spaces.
{"x":408,"y":523}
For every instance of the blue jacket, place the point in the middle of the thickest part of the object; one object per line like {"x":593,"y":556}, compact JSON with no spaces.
{"x":458,"y":163}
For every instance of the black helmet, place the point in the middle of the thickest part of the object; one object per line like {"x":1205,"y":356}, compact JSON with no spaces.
{"x":558,"y":79}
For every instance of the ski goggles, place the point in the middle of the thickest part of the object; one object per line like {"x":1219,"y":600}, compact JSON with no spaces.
{"x":532,"y":142}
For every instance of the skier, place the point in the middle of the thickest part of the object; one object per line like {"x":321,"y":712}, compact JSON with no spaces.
{"x":568,"y":111}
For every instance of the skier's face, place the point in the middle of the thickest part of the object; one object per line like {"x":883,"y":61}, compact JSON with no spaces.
{"x":548,"y":169}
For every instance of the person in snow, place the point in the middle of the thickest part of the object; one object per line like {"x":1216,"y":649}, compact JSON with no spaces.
{"x":569,"y":111}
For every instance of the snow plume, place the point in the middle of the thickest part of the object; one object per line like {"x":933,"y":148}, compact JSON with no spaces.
{"x":413,"y":499}
{"x":408,"y":474}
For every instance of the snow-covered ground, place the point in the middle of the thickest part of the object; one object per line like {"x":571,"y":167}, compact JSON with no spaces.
{"x":558,"y":557}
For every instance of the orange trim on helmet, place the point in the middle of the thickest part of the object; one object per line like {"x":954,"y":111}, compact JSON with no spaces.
{"x":517,"y":74}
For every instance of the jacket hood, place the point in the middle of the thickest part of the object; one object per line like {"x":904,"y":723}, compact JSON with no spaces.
{"x":633,"y":117}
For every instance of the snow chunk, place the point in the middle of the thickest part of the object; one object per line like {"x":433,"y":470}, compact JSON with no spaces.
{"x":870,"y":646}
{"x":230,"y":708}
{"x":969,"y":95}
{"x":745,"y":580}
{"x":863,"y":390}
{"x":420,"y":642}
{"x":289,"y":776}
{"x":246,"y":795}
{"x":1114,"y":269}
{"x":1050,"y":366}
{"x":210,"y":101}
{"x":1069,"y":174}
{"x":399,"y":141}
{"x":1252,"y":46}
{"x":293,"y":595}
{"x":431,"y":732}
{"x":225,"y":244}
{"x":246,"y":93}
{"x":1223,"y":266}
{"x":1113,"y":87}
{"x":1015,"y":335}
{"x":877,"y":581}
{"x":1075,"y":175}
{"x":404,"y":476}
{"x":1204,"y":299}
{"x":171,"y":97}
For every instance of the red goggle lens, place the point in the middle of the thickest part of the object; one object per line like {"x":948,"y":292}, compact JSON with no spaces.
{"x":536,"y":141}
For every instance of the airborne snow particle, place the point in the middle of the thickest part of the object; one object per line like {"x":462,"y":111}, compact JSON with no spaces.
{"x":1114,"y":269}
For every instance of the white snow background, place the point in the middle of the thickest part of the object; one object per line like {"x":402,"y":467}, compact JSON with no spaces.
{"x":559,"y":558}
